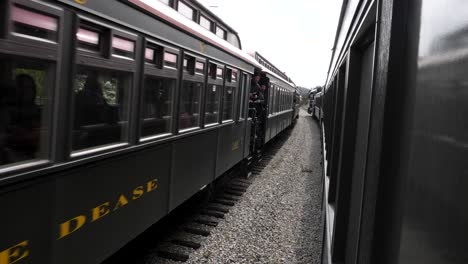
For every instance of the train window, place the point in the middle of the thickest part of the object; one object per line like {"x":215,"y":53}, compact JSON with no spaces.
{"x":220,"y":32}
{"x":156,"y":111}
{"x":154,"y":55}
{"x":123,"y":47}
{"x":91,"y":37}
{"x":170,"y":59}
{"x":233,"y":76}
{"x":186,"y":10}
{"x":228,"y":75}
{"x":212,"y":70}
{"x":219,"y":73}
{"x":189,"y":107}
{"x":206,"y":23}
{"x":212,"y":103}
{"x":228,"y":103}
{"x":199,"y":67}
{"x":189,"y":64}
{"x":277,"y":100}
{"x":243,"y":87}
{"x":270,"y":99}
{"x":24,"y":108}
{"x":100,"y":107}
{"x":88,"y":39}
{"x":31,"y":23}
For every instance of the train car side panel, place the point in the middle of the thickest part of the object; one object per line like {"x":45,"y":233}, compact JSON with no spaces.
{"x":93,"y":203}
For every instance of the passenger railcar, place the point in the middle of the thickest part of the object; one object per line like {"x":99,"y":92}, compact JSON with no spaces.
{"x":113,"y":113}
{"x":314,"y":102}
{"x":395,"y":134}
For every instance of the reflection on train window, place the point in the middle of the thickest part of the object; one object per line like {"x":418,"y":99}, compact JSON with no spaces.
{"x":228,"y":102}
{"x":189,"y":108}
{"x":101,"y":110}
{"x":157,"y":106}
{"x":32,"y":23}
{"x":123,"y":47}
{"x":24,"y":108}
{"x":170,"y":59}
{"x":212,"y":104}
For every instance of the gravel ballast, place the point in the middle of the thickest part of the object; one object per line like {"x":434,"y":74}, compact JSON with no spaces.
{"x":278,"y":219}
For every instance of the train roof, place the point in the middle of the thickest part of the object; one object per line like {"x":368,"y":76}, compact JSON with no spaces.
{"x":268,"y":67}
{"x":346,"y":22}
{"x":173,"y":17}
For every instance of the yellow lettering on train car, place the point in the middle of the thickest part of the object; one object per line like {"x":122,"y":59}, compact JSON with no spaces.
{"x":152,"y":185}
{"x":235,"y":145}
{"x":15,"y":253}
{"x":71,"y":225}
{"x":100,"y":211}
{"x":138,"y":192}
{"x":121,"y":202}
{"x":81,"y":2}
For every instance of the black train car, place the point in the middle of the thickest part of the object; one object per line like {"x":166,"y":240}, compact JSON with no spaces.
{"x":113,"y":113}
{"x":396,"y":135}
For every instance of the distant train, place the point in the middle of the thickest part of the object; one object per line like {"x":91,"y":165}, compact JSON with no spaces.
{"x":315,"y":102}
{"x":113,"y":113}
{"x":395,"y":134}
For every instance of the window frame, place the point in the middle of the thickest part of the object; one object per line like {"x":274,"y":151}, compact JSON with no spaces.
{"x":217,"y":26}
{"x":212,"y":23}
{"x":187,"y":76}
{"x":105,"y":61}
{"x":229,"y":82}
{"x":213,"y":79}
{"x":161,"y":71}
{"x":45,"y":9}
{"x":33,"y":48}
{"x":186,"y":4}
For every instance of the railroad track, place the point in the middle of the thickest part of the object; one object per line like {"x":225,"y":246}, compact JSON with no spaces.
{"x":184,"y":230}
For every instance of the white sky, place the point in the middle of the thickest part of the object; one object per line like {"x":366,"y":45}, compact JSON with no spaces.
{"x":295,"y":35}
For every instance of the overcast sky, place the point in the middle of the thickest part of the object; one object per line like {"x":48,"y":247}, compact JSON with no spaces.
{"x":295,"y":35}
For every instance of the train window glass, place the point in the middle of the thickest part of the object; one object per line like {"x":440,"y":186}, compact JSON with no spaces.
{"x":243,"y":87}
{"x":170,"y":59}
{"x":31,"y":23}
{"x":189,"y":64}
{"x":154,"y":54}
{"x":24,"y":108}
{"x":100,"y":108}
{"x":89,"y":38}
{"x":277,"y":95}
{"x":219,"y":73}
{"x":149,"y":55}
{"x":186,"y":10}
{"x":271,"y":93}
{"x":228,"y":75}
{"x":212,"y":70}
{"x":206,"y":23}
{"x":220,"y":32}
{"x":234,"y":76}
{"x":212,"y":103}
{"x":228,"y":103}
{"x":123,"y":47}
{"x":157,"y":106}
{"x":200,"y":67}
{"x":189,"y":107}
